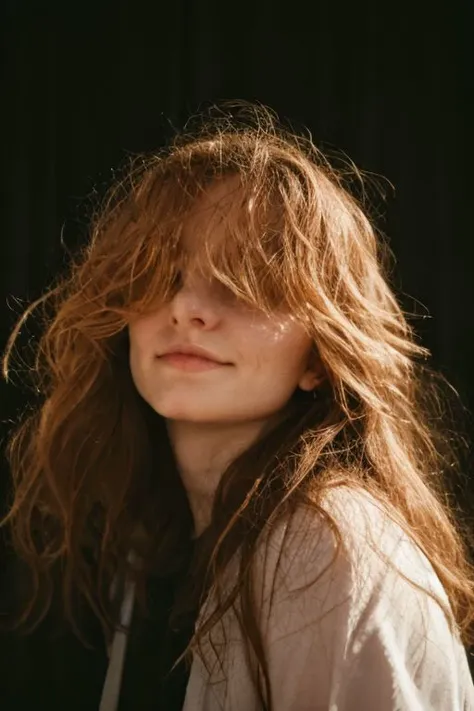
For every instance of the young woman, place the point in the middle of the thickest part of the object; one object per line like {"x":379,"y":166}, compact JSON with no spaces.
{"x":234,"y":465}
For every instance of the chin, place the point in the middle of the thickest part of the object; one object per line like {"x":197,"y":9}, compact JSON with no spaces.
{"x":196,"y":418}
{"x":183,"y":413}
{"x":195,"y":415}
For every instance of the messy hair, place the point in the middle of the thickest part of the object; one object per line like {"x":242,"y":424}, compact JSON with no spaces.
{"x":92,"y":466}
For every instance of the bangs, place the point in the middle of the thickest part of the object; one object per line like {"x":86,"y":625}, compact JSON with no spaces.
{"x":238,"y":242}
{"x":244,"y":240}
{"x":261,"y":238}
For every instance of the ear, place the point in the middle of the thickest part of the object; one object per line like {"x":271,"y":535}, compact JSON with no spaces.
{"x":314,"y":375}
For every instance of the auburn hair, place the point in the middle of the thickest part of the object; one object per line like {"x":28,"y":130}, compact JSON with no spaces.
{"x":92,"y":468}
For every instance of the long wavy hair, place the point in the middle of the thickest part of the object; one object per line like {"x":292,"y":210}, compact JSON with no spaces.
{"x":92,"y":468}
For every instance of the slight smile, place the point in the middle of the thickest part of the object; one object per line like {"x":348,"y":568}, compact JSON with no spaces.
{"x":190,"y":363}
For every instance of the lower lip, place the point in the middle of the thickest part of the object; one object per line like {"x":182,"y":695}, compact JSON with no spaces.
{"x":189,"y":363}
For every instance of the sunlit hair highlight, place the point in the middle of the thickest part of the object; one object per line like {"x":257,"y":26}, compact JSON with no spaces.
{"x":89,"y":478}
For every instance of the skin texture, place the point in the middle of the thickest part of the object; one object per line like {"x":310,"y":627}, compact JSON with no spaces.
{"x":213,"y":415}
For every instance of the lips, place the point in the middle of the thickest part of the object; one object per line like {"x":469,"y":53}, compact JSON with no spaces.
{"x":190,"y":363}
{"x":193,"y":352}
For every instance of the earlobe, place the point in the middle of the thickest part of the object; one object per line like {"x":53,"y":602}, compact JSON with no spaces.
{"x":312,"y":380}
{"x":314,"y":376}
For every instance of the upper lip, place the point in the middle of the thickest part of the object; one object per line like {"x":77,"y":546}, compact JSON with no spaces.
{"x":187,"y":349}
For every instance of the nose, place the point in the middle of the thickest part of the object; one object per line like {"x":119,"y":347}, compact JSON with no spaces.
{"x":195,"y":304}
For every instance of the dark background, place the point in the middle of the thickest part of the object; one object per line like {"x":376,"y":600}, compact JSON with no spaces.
{"x":85,"y":84}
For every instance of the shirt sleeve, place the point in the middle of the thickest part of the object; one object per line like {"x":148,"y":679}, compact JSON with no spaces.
{"x":356,"y":635}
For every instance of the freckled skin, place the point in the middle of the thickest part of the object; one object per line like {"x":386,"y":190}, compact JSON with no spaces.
{"x":269,"y":356}
{"x":269,"y":360}
{"x":212,"y":415}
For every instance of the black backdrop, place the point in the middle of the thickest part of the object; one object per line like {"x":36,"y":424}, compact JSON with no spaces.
{"x":84,"y":84}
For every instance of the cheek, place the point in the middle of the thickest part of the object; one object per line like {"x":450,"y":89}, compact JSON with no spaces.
{"x":137,"y":371}
{"x":142,"y":333}
{"x":280,"y":344}
{"x":140,"y":352}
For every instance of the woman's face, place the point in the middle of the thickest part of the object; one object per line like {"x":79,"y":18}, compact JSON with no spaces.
{"x":264,"y":360}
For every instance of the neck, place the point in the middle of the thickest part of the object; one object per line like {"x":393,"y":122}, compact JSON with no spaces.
{"x":203,"y":451}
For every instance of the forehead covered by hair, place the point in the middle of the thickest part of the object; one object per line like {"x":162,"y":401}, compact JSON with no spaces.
{"x":251,"y":210}
{"x":228,"y":222}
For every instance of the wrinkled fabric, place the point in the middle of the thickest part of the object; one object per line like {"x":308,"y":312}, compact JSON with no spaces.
{"x":359,"y":638}
{"x":349,"y":637}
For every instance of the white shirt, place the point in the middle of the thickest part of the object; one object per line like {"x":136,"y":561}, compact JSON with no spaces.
{"x":360,"y":638}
